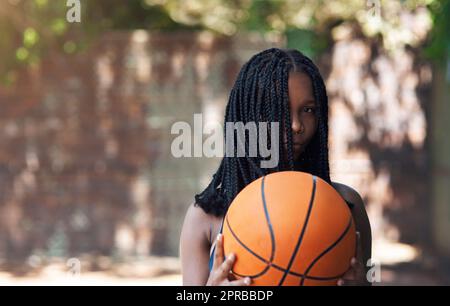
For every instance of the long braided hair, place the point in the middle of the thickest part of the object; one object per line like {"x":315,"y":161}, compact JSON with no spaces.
{"x":260,"y":94}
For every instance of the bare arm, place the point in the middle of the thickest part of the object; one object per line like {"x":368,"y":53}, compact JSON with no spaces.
{"x":364,"y":244}
{"x":194,"y":247}
{"x":194,"y":253}
{"x":357,"y":275}
{"x":359,"y":214}
{"x":362,"y":225}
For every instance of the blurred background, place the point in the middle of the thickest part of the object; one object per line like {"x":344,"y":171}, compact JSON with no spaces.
{"x":89,"y":191}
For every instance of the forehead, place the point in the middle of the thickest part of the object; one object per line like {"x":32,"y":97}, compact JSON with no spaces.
{"x":300,"y":87}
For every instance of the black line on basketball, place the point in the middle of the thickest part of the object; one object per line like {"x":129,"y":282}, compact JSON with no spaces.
{"x":272,"y":264}
{"x":317,"y":278}
{"x":272,"y":237}
{"x":251,"y":251}
{"x":269,"y":223}
{"x":328,"y":249}
{"x":268,"y":263}
{"x":305,"y":224}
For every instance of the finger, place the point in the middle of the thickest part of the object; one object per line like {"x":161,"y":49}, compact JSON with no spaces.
{"x":241,"y":282}
{"x":227,"y":265}
{"x":218,"y":253}
{"x":356,"y":264}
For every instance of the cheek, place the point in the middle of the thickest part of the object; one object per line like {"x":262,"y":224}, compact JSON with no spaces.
{"x":311,"y":131}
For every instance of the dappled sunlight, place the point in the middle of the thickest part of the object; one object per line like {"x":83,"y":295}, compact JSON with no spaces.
{"x":391,"y":253}
{"x":153,"y":271}
{"x":374,"y":108}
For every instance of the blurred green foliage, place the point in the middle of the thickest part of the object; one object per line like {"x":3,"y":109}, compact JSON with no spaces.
{"x":31,"y":29}
{"x":438,"y":48}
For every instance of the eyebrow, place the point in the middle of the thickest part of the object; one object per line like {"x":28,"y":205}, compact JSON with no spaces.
{"x":308,"y":102}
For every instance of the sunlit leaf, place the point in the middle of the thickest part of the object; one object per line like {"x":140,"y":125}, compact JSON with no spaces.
{"x":30,"y":37}
{"x":59,"y":26}
{"x":22,"y":54}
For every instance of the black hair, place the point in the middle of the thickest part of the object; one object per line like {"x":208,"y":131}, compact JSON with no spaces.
{"x":260,"y":94}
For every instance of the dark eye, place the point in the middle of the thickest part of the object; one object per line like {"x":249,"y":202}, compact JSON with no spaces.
{"x":309,"y":109}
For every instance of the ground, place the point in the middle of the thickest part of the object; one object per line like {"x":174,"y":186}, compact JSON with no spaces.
{"x":400,"y":264}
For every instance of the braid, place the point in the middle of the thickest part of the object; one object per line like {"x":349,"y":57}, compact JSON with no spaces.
{"x":260,"y":94}
{"x":288,"y":130}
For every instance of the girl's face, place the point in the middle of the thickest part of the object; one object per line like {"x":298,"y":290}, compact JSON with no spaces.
{"x":303,"y":112}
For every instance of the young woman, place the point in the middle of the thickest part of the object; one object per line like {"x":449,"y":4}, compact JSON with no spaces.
{"x":281,"y":86}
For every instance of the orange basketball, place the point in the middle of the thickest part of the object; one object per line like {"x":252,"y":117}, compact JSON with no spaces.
{"x":289,"y":228}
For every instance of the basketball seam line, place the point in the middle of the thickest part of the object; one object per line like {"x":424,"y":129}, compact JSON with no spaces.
{"x":346,"y":230}
{"x":305,"y":225}
{"x":271,"y":264}
{"x":269,"y":223}
{"x":251,"y":252}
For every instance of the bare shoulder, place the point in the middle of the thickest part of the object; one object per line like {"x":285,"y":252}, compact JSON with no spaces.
{"x":196,"y":213}
{"x":349,"y":194}
{"x":359,"y":215}
{"x":197,"y":218}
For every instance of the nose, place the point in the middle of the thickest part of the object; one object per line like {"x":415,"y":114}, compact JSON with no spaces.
{"x":297,"y":126}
